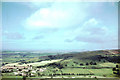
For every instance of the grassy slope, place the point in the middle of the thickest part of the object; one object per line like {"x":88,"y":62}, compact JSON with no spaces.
{"x":11,"y":57}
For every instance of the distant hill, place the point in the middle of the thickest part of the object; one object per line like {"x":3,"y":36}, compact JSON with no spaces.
{"x":99,"y":55}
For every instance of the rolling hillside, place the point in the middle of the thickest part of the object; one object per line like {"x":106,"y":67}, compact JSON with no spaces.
{"x":100,"y":55}
{"x":78,"y":64}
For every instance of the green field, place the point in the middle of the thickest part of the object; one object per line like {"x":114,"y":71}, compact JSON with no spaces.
{"x":83,"y":65}
{"x":35,"y":63}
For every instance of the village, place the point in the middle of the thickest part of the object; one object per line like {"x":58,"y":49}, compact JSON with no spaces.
{"x":22,"y":70}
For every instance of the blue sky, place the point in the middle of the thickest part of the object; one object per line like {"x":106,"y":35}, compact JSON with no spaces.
{"x":57,"y":26}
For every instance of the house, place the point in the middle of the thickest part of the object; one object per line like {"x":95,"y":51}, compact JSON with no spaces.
{"x":16,"y":73}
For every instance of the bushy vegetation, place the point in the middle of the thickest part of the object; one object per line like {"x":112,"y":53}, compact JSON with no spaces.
{"x":116,"y":70}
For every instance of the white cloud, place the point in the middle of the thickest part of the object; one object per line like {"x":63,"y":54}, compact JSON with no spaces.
{"x":92,"y":22}
{"x":93,"y":31}
{"x":59,"y":15}
{"x":94,"y":27}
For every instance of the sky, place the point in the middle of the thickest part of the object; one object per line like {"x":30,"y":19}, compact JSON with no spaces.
{"x":59,"y":26}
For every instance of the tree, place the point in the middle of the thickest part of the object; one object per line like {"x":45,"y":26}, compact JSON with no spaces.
{"x":66,"y":65}
{"x":24,"y":77}
{"x":87,"y":63}
{"x":19,"y":69}
{"x":3,"y":64}
{"x":38,"y":74}
{"x":94,"y":63}
{"x":81,"y":64}
{"x":116,"y":70}
{"x":91,"y":63}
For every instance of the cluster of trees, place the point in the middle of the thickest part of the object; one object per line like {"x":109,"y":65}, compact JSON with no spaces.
{"x":116,"y":70}
{"x":58,"y":65}
{"x":69,"y":74}
{"x":59,"y":56}
{"x":7,"y":70}
{"x":82,"y":64}
{"x":54,"y":65}
{"x":91,"y":63}
{"x":4,"y":64}
{"x":25,"y":62}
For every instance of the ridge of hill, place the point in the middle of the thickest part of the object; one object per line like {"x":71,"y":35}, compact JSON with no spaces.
{"x":100,"y":55}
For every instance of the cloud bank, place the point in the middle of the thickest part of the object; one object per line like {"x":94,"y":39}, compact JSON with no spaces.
{"x":59,"y":15}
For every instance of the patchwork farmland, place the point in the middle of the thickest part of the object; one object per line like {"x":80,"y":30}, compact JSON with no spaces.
{"x":88,"y":65}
